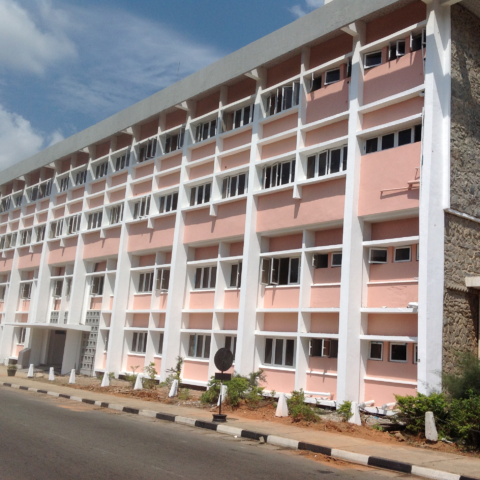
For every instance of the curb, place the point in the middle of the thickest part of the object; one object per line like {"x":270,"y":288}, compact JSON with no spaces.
{"x":358,"y":458}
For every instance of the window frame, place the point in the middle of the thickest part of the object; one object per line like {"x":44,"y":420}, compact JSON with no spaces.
{"x":25,"y":236}
{"x":398,"y":344}
{"x":163,"y":277}
{"x":179,"y":141}
{"x":21,"y":336}
{"x":58,"y":282}
{"x":101,"y":170}
{"x":370,"y":351}
{"x":73,"y":224}
{"x":97,"y":284}
{"x":81,"y":177}
{"x":122,"y":161}
{"x":206,"y":130}
{"x":64,"y":183}
{"x":204,"y":344}
{"x":375,"y":262}
{"x":236,"y":275}
{"x":315,"y":263}
{"x":26,"y":293}
{"x":232,"y":340}
{"x":147,"y":150}
{"x":278,"y":166}
{"x":396,"y":144}
{"x":40,"y":232}
{"x":277,"y":102}
{"x":145,"y":282}
{"x":141,"y":205}
{"x":227,"y":185}
{"x":338,"y":69}
{"x":335,"y":265}
{"x":332,"y":352}
{"x":194,"y":194}
{"x":409,"y":247}
{"x":116,"y":214}
{"x":170,"y":200}
{"x":94,"y":220}
{"x":285,"y":341}
{"x":371,"y":54}
{"x":229,"y":118}
{"x":328,"y":162}
{"x":138,"y":344}
{"x":212,"y":276}
{"x":415,"y":353}
{"x":275,"y":270}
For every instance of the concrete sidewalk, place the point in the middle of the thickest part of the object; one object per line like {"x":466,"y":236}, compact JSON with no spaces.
{"x":448,"y":466}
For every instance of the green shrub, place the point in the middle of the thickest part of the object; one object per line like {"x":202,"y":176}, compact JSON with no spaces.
{"x":149,"y":382}
{"x":212,"y":392}
{"x":184,"y":394}
{"x":237,"y":389}
{"x":464,"y":421}
{"x":299,"y":410}
{"x":255,"y":378}
{"x":254,"y":396}
{"x":175,"y":373}
{"x":345,"y":410}
{"x":467,"y":383}
{"x":131,"y":378}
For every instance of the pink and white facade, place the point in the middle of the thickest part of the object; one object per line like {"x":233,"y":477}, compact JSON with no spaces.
{"x":293,"y":212}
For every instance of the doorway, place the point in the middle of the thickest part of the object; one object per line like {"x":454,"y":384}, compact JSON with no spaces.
{"x":57,"y":347}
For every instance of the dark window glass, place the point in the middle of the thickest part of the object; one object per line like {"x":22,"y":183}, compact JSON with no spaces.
{"x":279,"y":352}
{"x":335,"y":160}
{"x":199,"y":194}
{"x":174,"y":201}
{"x":288,"y":97}
{"x":207,"y":192}
{"x":336,"y":259}
{"x":206,"y":272}
{"x":285,"y":178}
{"x":233,"y":276}
{"x":289,"y":353}
{"x":376,"y":351}
{"x":191,"y":346}
{"x":199,"y":349}
{"x":284,"y":263}
{"x":268,"y":351}
{"x":398,"y":352}
{"x":213,"y":277}
{"x":206,"y":353}
{"x":388,"y":141}
{"x":193,"y":192}
{"x":294,"y":265}
{"x":311,"y":167}
{"x":333,"y":348}
{"x":238,"y":119}
{"x":372,"y":145}
{"x":416,"y":43}
{"x":393,"y":51}
{"x":241,"y":183}
{"x":321,"y":260}
{"x":316,"y":347}
{"x":418,"y":133}
{"x":198,"y":277}
{"x":378,"y":256}
{"x":345,"y":158}
{"x":402,"y":254}
{"x":316,"y":84}
{"x":322,"y":164}
{"x":332,"y":76}
{"x":404,"y":137}
{"x":373,"y":59}
{"x":246,"y":115}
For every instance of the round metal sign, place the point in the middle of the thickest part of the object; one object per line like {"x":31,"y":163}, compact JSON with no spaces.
{"x":223,"y":359}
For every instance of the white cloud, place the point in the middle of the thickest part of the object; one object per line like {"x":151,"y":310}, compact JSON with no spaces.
{"x":298,"y":11}
{"x":32,"y":44}
{"x":310,"y":5}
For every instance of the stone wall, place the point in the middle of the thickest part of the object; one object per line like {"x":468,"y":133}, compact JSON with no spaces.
{"x":462,"y":236}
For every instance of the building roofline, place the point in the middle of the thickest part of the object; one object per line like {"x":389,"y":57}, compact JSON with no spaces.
{"x":290,"y":38}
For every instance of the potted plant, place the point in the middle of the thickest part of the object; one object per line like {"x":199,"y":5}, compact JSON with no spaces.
{"x":11,"y":370}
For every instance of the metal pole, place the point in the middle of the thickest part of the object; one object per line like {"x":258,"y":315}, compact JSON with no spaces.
{"x":220,"y":408}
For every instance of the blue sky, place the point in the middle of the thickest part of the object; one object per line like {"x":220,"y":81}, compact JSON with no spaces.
{"x":67,"y":64}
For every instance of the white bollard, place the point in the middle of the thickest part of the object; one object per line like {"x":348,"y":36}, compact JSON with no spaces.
{"x":355,"y":418}
{"x":282,"y":407}
{"x":431,"y":433}
{"x":174,"y":389}
{"x":30,"y":371}
{"x":223,"y":394}
{"x":138,"y":383}
{"x":51,"y":375}
{"x":105,"y":380}
{"x":72,"y":376}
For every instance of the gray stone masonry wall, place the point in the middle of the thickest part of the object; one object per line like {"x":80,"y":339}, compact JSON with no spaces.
{"x":462,"y":237}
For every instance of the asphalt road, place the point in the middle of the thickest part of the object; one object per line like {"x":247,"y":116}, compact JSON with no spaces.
{"x":50,"y":438}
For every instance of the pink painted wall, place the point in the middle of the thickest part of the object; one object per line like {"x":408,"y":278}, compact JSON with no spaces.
{"x":240,"y":90}
{"x":322,"y":364}
{"x":18,"y":349}
{"x":123,"y":141}
{"x":82,"y":159}
{"x":142,"y":188}
{"x":280,"y":125}
{"x":78,"y":193}
{"x":230,"y":321}
{"x":201,"y":171}
{"x":283,"y":71}
{"x":201,"y":300}
{"x":195,"y":370}
{"x":140,"y":320}
{"x":320,"y":203}
{"x":14,"y":226}
{"x":236,"y":249}
{"x":146,"y":260}
{"x":287,"y":242}
{"x":392,"y":295}
{"x":237,"y":140}
{"x":77,"y":207}
{"x":117,"y":195}
{"x":144,"y":171}
{"x":161,"y":301}
{"x":171,"y":162}
{"x":161,"y":320}
{"x":15,"y":215}
{"x":149,"y":129}
{"x":142,"y":302}
{"x":236,"y":160}
{"x":203,"y":152}
{"x":406,"y":227}
{"x":158,"y":364}
{"x":394,"y":271}
{"x":169,"y":180}
{"x":229,"y":222}
{"x":175,"y":118}
{"x":324,"y":134}
{"x":58,"y":213}
{"x":168,"y":257}
{"x":327,"y":275}
{"x":393,"y":77}
{"x":61,"y":199}
{"x":281,"y":297}
{"x":66,"y":164}
{"x":135,"y":361}
{"x":205,"y":253}
{"x":393,"y":370}
{"x":29,"y":210}
{"x":384,"y":393}
{"x":24,"y":305}
{"x":280,"y":381}
{"x":207,"y":104}
{"x":322,"y":383}
{"x":200,"y":321}
{"x":65,"y":254}
{"x":232,"y":299}
{"x":331,"y":49}
{"x":393,"y":113}
{"x":119,"y":179}
{"x":102,"y":149}
{"x":143,"y":238}
{"x":57,"y":303}
{"x":280,"y":322}
{"x":101,"y":266}
{"x":389,"y":169}
{"x":29,"y":260}
{"x":394,"y":324}
{"x":96,"y":202}
{"x":327,"y":101}
{"x":101,"y":247}
{"x":96,"y":303}
{"x":322,"y":322}
{"x":325,"y":297}
{"x":277,"y":148}
{"x":98,"y":187}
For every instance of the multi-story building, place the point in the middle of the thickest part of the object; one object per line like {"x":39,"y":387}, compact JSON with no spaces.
{"x":308,"y":202}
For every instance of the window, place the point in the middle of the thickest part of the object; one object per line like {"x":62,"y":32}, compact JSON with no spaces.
{"x":97,"y":285}
{"x":141,"y":208}
{"x":376,"y":351}
{"x":147,"y":150}
{"x":73,"y":224}
{"x":324,"y":347}
{"x":18,"y":200}
{"x":160,"y":345}
{"x":205,"y":130}
{"x":231,"y":344}
{"x":45,"y":189}
{"x":5,"y":204}
{"x":398,"y":352}
{"x":94,"y":220}
{"x":234,"y":186}
{"x":8,"y":241}
{"x":236,"y":275}
{"x":349,"y":68}
{"x":21,"y":336}
{"x":396,"y":49}
{"x":337,"y":259}
{"x":56,"y":229}
{"x":280,"y":271}
{"x":68,"y":287}
{"x":139,"y":342}
{"x":116,"y":214}
{"x":392,"y":140}
{"x":284,"y":98}
{"x":107,"y":338}
{"x":328,"y":162}
{"x":57,"y":288}
{"x":279,"y":351}
{"x":2,"y":293}
{"x":122,"y":162}
{"x":41,"y":233}
{"x":418,"y":252}
{"x":403,"y":254}
{"x":238,"y":118}
{"x":63,"y":184}
{"x":373,"y":59}
{"x":174,"y":142}
{"x":101,"y":170}
{"x":199,"y":346}
{"x":378,"y":255}
{"x":320,"y":260}
{"x":25,"y":236}
{"x":26,"y":291}
{"x":205,"y":277}
{"x":415,"y":353}
{"x":145,"y":282}
{"x":332,"y":76}
{"x":81,"y":178}
{"x":168,"y":203}
{"x":418,"y":41}
{"x":279,"y":174}
{"x":163,"y":279}
{"x":200,"y":194}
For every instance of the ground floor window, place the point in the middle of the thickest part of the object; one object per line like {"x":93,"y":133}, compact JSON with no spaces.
{"x":139,"y":342}
{"x":231,"y":344}
{"x":279,"y":352}
{"x":199,"y":346}
{"x":21,"y":336}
